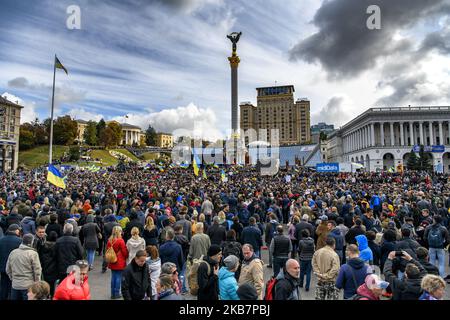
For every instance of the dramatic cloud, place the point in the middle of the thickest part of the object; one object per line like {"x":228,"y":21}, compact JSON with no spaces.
{"x":82,"y":114}
{"x":337,"y":111}
{"x":343,"y":44}
{"x":28,"y":113}
{"x":198,"y":122}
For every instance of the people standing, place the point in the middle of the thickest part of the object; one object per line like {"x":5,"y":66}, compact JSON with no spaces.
{"x":68,"y":250}
{"x":208,"y":281}
{"x":326,"y":263}
{"x":117,"y":267}
{"x":134,"y":244}
{"x":287,"y":285}
{"x":8,"y":243}
{"x":351,"y":274}
{"x":90,"y":231}
{"x":252,"y":270}
{"x":136,"y":281}
{"x":281,"y":249}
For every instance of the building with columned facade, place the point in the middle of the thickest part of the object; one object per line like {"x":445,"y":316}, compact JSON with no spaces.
{"x":9,"y":135}
{"x":381,"y":138}
{"x":164,"y":140}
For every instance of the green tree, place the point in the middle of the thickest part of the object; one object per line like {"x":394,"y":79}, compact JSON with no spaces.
{"x":413,"y":162}
{"x":150,"y":136}
{"x":90,"y":133}
{"x":26,"y":140}
{"x":424,"y":160}
{"x":106,"y":137}
{"x":116,"y":130}
{"x":74,"y":153}
{"x":101,"y":125}
{"x":64,"y":130}
{"x":323,"y":136}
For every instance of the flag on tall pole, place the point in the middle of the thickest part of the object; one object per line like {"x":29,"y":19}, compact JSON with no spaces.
{"x":56,"y":65}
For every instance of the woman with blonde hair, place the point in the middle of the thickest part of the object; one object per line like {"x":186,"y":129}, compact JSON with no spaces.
{"x":433,"y":288}
{"x":134,"y":244}
{"x":150,"y":233}
{"x":154,"y":267}
{"x":121,"y":251}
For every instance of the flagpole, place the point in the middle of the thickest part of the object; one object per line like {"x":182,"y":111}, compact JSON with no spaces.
{"x":50,"y":153}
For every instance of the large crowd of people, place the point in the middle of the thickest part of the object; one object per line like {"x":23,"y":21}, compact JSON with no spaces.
{"x":166,"y":234}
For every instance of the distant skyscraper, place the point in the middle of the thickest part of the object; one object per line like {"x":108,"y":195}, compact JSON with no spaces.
{"x":276,"y":109}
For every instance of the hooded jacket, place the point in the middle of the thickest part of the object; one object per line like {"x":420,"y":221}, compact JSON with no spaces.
{"x":252,"y":272}
{"x":355,"y":270}
{"x":7,"y":244}
{"x":337,"y":235}
{"x":67,"y":290}
{"x":364,"y":251}
{"x":133,"y":246}
{"x":28,"y":225}
{"x":227,"y":285}
{"x":23,"y":267}
{"x":136,"y":282}
{"x":287,"y":287}
{"x":154,"y":269}
{"x":407,"y":288}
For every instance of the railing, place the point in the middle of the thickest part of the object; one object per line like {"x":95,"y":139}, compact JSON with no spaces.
{"x":429,"y":108}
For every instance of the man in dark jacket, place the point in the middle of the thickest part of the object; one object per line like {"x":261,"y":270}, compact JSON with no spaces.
{"x":337,"y":235}
{"x":208,"y":280}
{"x":281,"y":248}
{"x":408,"y":288}
{"x":287,"y":286}
{"x":68,"y":250}
{"x":171,"y":251}
{"x":136,"y":282}
{"x":352,"y":274}
{"x":217,"y":233}
{"x":185,"y":224}
{"x":306,"y":250}
{"x":252,"y":235}
{"x":354,"y":231}
{"x":134,"y":222}
{"x":407,"y":243}
{"x":302,"y":225}
{"x":181,"y":239}
{"x":8,"y":243}
{"x":423,"y":258}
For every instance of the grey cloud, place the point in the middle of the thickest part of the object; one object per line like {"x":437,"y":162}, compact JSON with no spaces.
{"x":20,"y":82}
{"x":345,"y":47}
{"x":335,"y":112}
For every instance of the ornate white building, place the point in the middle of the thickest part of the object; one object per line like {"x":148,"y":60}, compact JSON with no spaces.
{"x":381,"y":138}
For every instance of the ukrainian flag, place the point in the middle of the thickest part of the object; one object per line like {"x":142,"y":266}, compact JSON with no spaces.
{"x":59,"y":65}
{"x":55,"y":177}
{"x":204,"y":174}
{"x":196,"y":163}
{"x":184,"y":165}
{"x":215,"y":166}
{"x":222,"y":175}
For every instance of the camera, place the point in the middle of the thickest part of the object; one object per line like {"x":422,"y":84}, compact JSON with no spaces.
{"x":398,"y":254}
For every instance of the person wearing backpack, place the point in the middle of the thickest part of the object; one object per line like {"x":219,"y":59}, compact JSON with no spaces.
{"x":116,"y":247}
{"x":436,"y":235}
{"x":270,"y":232}
{"x":207,"y":275}
{"x":351,"y":274}
{"x":231,"y":247}
{"x":287,"y":282}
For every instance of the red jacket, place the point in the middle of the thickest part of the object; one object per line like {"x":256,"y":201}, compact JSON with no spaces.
{"x":122,"y":254}
{"x":67,"y":290}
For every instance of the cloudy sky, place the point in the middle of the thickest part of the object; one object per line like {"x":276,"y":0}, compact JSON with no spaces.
{"x":164,"y":62}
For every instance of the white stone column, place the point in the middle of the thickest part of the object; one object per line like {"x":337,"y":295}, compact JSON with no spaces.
{"x":431,"y":133}
{"x":421,"y":132}
{"x":372,"y":135}
{"x":441,"y":135}
{"x":402,"y":138}
{"x":391,"y":124}
{"x":382,"y":133}
{"x":126,"y":137}
{"x":411,"y":132}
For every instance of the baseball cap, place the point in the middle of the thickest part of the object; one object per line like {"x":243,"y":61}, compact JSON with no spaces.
{"x":374,"y":282}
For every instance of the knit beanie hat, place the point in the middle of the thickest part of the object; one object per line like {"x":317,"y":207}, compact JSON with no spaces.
{"x":213,"y":250}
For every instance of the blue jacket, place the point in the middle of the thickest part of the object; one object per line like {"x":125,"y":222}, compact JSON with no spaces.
{"x":28,"y":225}
{"x":375,"y":201}
{"x":337,"y":235}
{"x":252,"y":235}
{"x":171,"y":251}
{"x":7,"y":244}
{"x":345,"y":277}
{"x":364,"y":251}
{"x":227,"y":285}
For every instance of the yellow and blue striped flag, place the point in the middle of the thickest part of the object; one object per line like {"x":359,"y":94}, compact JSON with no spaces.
{"x":196,"y":163}
{"x":222,"y":175}
{"x":204,"y":174}
{"x":55,"y":177}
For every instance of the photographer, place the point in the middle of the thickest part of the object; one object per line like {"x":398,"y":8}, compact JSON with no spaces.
{"x":409,"y":287}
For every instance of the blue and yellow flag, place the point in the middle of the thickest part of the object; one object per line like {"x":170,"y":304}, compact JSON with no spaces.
{"x":204,"y":174}
{"x":215,"y":166}
{"x":196,"y":163}
{"x":222,"y":175}
{"x":59,"y":65}
{"x":184,"y":165}
{"x":55,"y":177}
